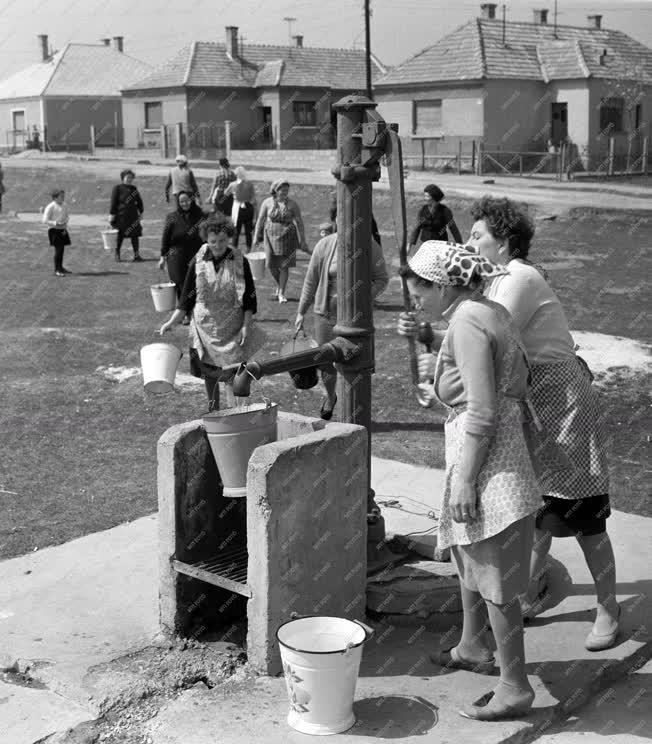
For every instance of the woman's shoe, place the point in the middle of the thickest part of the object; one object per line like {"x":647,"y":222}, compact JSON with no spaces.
{"x":282,"y":298}
{"x":327,"y":413}
{"x":602,"y":641}
{"x":491,"y":708}
{"x":451,"y":659}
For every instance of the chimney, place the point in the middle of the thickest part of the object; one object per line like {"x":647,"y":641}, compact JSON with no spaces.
{"x":106,"y":42}
{"x":595,"y":21}
{"x":117,"y":43}
{"x":232,"y":41}
{"x":45,"y":51}
{"x":298,"y":40}
{"x":541,"y":16}
{"x":488,"y":11}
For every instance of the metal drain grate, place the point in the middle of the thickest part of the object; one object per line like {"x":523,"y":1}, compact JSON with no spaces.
{"x":228,"y":570}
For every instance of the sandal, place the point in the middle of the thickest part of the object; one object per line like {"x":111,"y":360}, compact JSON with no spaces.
{"x":488,"y":708}
{"x":595,"y":642}
{"x":451,"y":659}
{"x":327,"y":413}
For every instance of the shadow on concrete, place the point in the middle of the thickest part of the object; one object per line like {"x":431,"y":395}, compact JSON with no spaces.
{"x":386,"y":426}
{"x":100,"y":273}
{"x":393,"y":717}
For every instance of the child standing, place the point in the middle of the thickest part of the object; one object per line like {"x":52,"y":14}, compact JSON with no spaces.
{"x":56,"y":217}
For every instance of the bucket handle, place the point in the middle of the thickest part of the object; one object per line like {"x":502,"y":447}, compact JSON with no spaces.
{"x":369,"y":632}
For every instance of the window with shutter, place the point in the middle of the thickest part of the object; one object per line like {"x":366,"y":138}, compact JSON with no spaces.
{"x":427,"y":117}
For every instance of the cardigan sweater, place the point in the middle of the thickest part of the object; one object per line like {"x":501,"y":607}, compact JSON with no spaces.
{"x":315,"y":284}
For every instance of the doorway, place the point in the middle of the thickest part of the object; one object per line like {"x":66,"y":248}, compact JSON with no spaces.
{"x":268,"y":130}
{"x":558,"y":123}
{"x":18,"y":125}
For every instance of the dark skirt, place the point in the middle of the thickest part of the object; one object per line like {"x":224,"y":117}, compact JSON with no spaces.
{"x":573,"y":517}
{"x":58,"y":237}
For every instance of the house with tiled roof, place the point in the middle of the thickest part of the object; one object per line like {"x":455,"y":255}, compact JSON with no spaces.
{"x":274,"y":96}
{"x":521,"y":87}
{"x":66,"y":92}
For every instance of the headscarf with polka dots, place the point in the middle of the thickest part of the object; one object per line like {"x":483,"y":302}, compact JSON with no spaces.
{"x":451,"y":264}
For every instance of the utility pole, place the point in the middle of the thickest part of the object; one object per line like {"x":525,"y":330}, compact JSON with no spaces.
{"x":504,"y":11}
{"x":367,"y":34}
{"x":555,"y":21}
{"x":289,"y":20}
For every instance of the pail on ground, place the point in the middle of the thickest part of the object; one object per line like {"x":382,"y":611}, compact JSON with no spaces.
{"x":321,"y":660}
{"x":159,"y":363}
{"x":233,"y":434}
{"x":257,"y":264}
{"x":164,"y":296}
{"x":110,"y":239}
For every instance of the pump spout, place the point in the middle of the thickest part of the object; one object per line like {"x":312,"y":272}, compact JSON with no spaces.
{"x":338,"y":350}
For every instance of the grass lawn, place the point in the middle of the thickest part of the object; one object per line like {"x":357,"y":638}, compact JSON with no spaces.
{"x":79,"y":451}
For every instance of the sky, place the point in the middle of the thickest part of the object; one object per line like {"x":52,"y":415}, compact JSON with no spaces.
{"x":154,"y":30}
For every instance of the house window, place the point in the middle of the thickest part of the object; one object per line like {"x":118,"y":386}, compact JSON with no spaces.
{"x":153,"y":115}
{"x":305,"y":113}
{"x":611,"y":115}
{"x":18,"y":120}
{"x":426,"y":117}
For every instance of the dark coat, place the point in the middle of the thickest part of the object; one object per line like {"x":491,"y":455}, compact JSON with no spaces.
{"x":181,"y":241}
{"x":435,"y":225}
{"x":126,"y":209}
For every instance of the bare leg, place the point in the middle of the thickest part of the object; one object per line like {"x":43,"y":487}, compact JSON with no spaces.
{"x":329,"y":379}
{"x":599,"y":556}
{"x":213,"y":393}
{"x":276,"y":274}
{"x":540,"y":550}
{"x":473,"y":645}
{"x":282,"y":281}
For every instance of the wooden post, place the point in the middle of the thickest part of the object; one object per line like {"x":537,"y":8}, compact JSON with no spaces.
{"x":612,"y":151}
{"x":459,"y":158}
{"x":178,"y":137}
{"x":645,"y":156}
{"x":480,"y":156}
{"x":473,"y":156}
{"x":520,"y":164}
{"x":628,"y":161}
{"x":164,"y":141}
{"x":91,"y":147}
{"x":116,"y":142}
{"x":227,"y":139}
{"x":562,"y":165}
{"x":423,"y":154}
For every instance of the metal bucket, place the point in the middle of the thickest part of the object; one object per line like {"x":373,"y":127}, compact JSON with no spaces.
{"x":159,"y":363}
{"x":233,"y":434}
{"x":164,"y":296}
{"x":257,"y":264}
{"x":321,"y":660}
{"x":110,"y":240}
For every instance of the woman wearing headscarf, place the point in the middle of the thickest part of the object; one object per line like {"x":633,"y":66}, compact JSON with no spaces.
{"x":181,"y":239}
{"x":125,"y":212}
{"x":280,"y":229}
{"x":220,"y":296}
{"x":569,"y":448}
{"x":244,"y":206}
{"x":180,"y":179}
{"x":491,"y":494}
{"x":434,"y":219}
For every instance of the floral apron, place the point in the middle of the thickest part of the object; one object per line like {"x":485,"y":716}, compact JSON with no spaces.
{"x":506,"y":485}
{"x":281,"y":234}
{"x":218,"y":316}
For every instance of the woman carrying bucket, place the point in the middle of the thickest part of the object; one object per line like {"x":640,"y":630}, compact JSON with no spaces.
{"x":220,"y":296}
{"x":125,"y":212}
{"x":244,"y":206}
{"x":491,"y":496}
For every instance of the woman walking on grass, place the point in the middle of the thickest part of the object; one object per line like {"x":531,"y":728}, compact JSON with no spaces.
{"x":125,"y":212}
{"x":220,"y":296}
{"x":434,"y":219}
{"x":491,"y":494}
{"x":244,"y":206}
{"x":280,"y":229}
{"x":56,"y":217}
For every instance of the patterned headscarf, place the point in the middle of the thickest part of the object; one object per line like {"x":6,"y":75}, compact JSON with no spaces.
{"x":276,"y":185}
{"x":450,"y":264}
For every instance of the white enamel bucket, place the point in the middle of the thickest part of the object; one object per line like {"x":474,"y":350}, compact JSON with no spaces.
{"x":164,"y":296}
{"x":110,"y":239}
{"x":257,"y":264}
{"x":159,"y":363}
{"x":321,"y":660}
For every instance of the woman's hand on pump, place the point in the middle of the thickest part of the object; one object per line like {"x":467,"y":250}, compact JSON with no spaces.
{"x":427,"y":363}
{"x":407,"y":324}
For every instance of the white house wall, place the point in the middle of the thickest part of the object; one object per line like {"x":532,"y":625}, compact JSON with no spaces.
{"x":174,"y":110}
{"x":32,"y":108}
{"x":517,"y":115}
{"x":575,"y":93}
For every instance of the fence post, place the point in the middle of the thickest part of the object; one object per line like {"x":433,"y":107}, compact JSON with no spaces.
{"x":423,"y":154}
{"x":480,"y":156}
{"x":178,"y":137}
{"x":227,"y":139}
{"x":645,"y":156}
{"x":628,"y":161}
{"x":164,"y":141}
{"x":473,"y":156}
{"x":612,"y":149}
{"x":562,"y":166}
{"x":116,"y":142}
{"x":91,"y":144}
{"x":459,"y":158}
{"x":520,"y":164}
